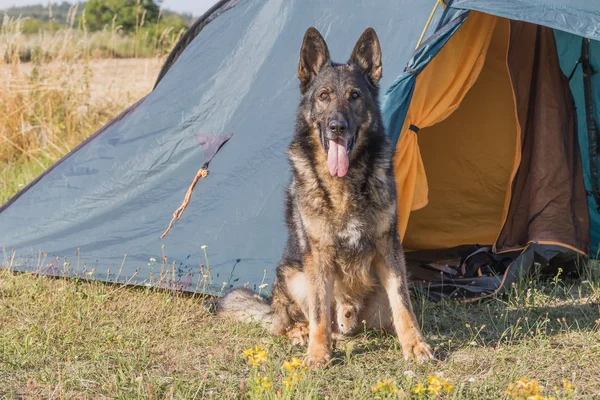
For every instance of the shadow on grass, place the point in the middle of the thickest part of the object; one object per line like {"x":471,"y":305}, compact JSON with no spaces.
{"x":552,"y":318}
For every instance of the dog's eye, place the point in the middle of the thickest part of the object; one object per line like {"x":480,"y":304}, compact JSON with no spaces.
{"x":323,"y":95}
{"x":354,"y":94}
{"x":348,"y":314}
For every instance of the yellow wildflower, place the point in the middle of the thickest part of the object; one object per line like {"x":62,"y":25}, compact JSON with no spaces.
{"x":568,"y":386}
{"x":376,"y":388}
{"x":295,"y":363}
{"x":434,"y":380}
{"x":524,"y":388}
{"x":448,"y":387}
{"x":434,"y":389}
{"x":293,"y":378}
{"x":536,"y":397}
{"x":419,"y":389}
{"x":295,"y":370}
{"x":434,"y":385}
{"x":387,"y":386}
{"x":265,"y":383}
{"x":255,"y":356}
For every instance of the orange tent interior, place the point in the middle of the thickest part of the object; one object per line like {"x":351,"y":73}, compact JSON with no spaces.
{"x":471,"y":156}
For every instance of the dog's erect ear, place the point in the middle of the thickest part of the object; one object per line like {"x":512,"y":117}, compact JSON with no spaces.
{"x":313,"y":55}
{"x":367,"y":56}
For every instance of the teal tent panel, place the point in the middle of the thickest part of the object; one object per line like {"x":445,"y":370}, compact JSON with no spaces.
{"x":114,"y":196}
{"x":579,"y":17}
{"x":569,"y":52}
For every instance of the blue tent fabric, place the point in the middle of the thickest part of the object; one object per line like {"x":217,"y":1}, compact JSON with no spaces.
{"x":569,"y":52}
{"x":114,"y":196}
{"x":579,"y":17}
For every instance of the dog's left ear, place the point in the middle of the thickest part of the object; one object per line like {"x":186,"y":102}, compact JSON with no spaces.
{"x":314,"y":54}
{"x":367,"y":56}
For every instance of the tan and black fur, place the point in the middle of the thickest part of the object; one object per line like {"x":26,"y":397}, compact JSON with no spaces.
{"x":343,"y":262}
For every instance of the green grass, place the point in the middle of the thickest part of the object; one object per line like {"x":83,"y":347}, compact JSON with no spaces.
{"x":66,"y":338}
{"x":15,"y":175}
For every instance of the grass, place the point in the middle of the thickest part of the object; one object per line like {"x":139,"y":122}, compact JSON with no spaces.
{"x":64,"y":94}
{"x":70,"y":338}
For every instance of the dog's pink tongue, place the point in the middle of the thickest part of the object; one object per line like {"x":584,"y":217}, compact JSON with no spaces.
{"x":337,"y":158}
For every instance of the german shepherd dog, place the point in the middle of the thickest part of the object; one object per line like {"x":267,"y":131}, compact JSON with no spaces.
{"x":343,"y":255}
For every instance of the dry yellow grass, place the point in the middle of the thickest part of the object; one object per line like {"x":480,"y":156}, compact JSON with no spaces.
{"x":46,"y":111}
{"x":51,"y":104}
{"x":115,"y":79}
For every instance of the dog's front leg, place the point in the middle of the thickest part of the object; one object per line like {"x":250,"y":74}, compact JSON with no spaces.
{"x":319,"y":271}
{"x":390,"y":267}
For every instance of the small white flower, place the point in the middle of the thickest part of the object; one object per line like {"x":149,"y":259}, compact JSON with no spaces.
{"x":471,"y":380}
{"x":203,"y":247}
{"x":410,"y":373}
{"x":264,"y":285}
{"x":152,"y":259}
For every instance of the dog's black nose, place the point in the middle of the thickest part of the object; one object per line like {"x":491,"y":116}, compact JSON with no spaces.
{"x":338,"y":126}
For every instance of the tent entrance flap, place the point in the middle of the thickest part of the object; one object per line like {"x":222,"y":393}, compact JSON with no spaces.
{"x":438,"y":91}
{"x":469,"y":157}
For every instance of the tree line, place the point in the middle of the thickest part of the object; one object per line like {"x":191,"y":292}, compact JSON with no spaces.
{"x":125,"y":15}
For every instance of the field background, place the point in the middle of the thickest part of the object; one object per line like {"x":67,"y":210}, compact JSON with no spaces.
{"x":60,"y":81}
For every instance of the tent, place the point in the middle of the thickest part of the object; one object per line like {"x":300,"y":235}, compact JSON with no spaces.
{"x":492,"y":118}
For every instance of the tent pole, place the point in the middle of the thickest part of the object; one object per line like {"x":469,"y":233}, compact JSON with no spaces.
{"x":437,"y":3}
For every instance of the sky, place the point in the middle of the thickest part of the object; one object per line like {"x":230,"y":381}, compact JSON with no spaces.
{"x":196,"y":7}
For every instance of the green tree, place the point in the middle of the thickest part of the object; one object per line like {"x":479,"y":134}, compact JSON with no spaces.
{"x":127,"y":13}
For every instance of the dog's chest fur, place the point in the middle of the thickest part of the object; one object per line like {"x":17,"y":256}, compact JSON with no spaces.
{"x":346,"y":215}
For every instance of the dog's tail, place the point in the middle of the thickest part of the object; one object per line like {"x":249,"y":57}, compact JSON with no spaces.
{"x":244,"y":305}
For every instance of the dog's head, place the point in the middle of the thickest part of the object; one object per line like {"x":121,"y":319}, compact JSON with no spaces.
{"x":339,"y":98}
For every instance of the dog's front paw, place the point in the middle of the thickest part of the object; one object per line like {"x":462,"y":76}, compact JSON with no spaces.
{"x":318,"y":356}
{"x":417,"y":350}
